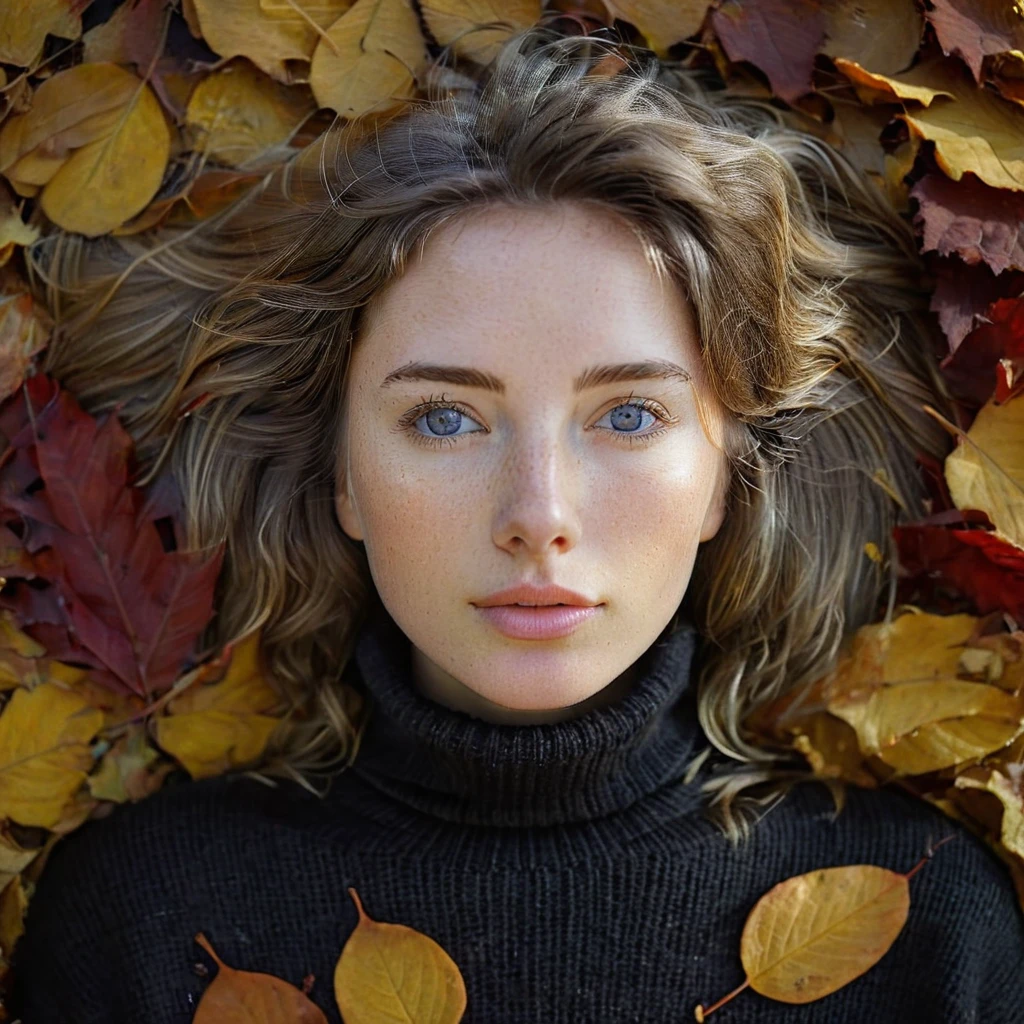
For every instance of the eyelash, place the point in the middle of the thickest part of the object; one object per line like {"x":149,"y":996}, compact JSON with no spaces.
{"x":408,"y":421}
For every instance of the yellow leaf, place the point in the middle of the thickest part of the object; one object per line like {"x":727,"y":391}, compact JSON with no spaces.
{"x":13,"y":904}
{"x":24,"y":330}
{"x":943,"y":744}
{"x":1008,"y":786}
{"x":238,"y":112}
{"x":13,"y":859}
{"x":457,"y":21}
{"x":661,"y":22}
{"x":107,"y":182}
{"x":212,"y":728}
{"x":852,"y":32}
{"x":816,"y":932}
{"x":986,"y":471}
{"x":127,"y":770}
{"x":44,"y":753}
{"x":250,"y":997}
{"x":368,"y":59}
{"x":393,"y":972}
{"x":25,"y":24}
{"x":73,"y":108}
{"x":242,"y":28}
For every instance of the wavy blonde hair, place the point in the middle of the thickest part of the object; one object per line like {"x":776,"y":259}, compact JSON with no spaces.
{"x":224,"y":344}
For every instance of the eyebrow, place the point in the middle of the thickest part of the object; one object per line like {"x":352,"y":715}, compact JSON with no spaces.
{"x":592,"y":377}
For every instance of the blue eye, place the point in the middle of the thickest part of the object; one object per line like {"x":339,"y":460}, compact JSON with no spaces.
{"x":442,"y":420}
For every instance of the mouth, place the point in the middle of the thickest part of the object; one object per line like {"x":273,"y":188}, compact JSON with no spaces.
{"x":538,"y":621}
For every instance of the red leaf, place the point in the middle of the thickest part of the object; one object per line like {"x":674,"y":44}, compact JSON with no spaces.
{"x":971,"y":30}
{"x":781,"y":37}
{"x":972,"y":368}
{"x":134,"y":607}
{"x":972,"y":220}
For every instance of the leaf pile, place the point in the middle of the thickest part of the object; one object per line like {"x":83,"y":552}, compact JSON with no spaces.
{"x":121,"y":117}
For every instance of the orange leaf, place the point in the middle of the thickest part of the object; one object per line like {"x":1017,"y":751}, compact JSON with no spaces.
{"x":249,"y":997}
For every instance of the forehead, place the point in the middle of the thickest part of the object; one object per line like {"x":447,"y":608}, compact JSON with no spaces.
{"x":565,"y":277}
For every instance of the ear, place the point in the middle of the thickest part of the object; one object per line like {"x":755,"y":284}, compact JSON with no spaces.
{"x":345,"y":503}
{"x":714,"y":517}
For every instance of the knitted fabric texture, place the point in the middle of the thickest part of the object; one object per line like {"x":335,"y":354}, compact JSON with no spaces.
{"x":566,"y":868}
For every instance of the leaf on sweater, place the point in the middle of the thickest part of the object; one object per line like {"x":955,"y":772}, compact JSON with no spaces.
{"x":211,"y":728}
{"x":44,"y":752}
{"x":13,"y":906}
{"x":986,"y":470}
{"x":249,"y":997}
{"x":393,"y":972}
{"x":814,"y":933}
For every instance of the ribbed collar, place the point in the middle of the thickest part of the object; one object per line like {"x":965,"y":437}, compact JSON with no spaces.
{"x":454,"y":766}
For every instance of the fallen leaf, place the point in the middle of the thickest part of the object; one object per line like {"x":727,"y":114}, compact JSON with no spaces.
{"x":106,"y":182}
{"x":852,"y":32}
{"x":211,"y":728}
{"x":1008,"y":786}
{"x":780,"y":37}
{"x":24,"y":331}
{"x":238,"y":112}
{"x":922,"y":83}
{"x":25,"y":24}
{"x":458,"y":22}
{"x":13,"y":905}
{"x":368,"y":60}
{"x":250,"y":997}
{"x":986,"y":469}
{"x":971,"y":29}
{"x":44,"y":752}
{"x":661,"y":23}
{"x":390,"y":972}
{"x":130,"y":770}
{"x":272,"y":41}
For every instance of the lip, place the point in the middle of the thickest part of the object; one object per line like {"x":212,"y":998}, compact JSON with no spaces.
{"x":526,"y":593}
{"x":539,"y":623}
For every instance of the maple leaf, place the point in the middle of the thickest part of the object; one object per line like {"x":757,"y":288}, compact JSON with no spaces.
{"x":134,"y":609}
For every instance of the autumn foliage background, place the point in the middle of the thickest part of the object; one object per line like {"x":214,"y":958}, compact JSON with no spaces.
{"x":118,"y":118}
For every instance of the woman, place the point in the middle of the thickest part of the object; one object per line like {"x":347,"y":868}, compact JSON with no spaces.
{"x":612,"y":342}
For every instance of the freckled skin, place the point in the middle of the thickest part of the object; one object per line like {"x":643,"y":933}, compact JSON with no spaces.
{"x":530,"y":489}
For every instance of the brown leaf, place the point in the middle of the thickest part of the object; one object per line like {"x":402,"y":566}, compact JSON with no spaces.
{"x":24,"y":331}
{"x":970,"y":29}
{"x":922,"y":83}
{"x":390,"y":972}
{"x":250,"y":997}
{"x":780,"y":37}
{"x":852,"y":32}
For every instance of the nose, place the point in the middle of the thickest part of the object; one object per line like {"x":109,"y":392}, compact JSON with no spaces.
{"x":537,"y":496}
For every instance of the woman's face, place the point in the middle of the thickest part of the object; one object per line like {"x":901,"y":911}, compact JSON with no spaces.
{"x":543,"y":478}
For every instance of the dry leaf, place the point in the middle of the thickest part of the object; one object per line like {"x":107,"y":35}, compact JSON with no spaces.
{"x":129,"y":769}
{"x":921,"y":83}
{"x":249,"y":997}
{"x":986,"y":471}
{"x":25,"y":24}
{"x":976,"y":28}
{"x":393,"y":972}
{"x":242,"y":28}
{"x":13,"y":904}
{"x":44,"y":752}
{"x":661,"y":22}
{"x":1006,"y":785}
{"x":852,"y":32}
{"x":24,"y":330}
{"x":106,"y":182}
{"x":211,"y":728}
{"x":238,"y":112}
{"x":368,"y":60}
{"x":457,"y":22}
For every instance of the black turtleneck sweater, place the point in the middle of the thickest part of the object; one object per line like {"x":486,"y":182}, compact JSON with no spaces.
{"x":566,"y":868}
